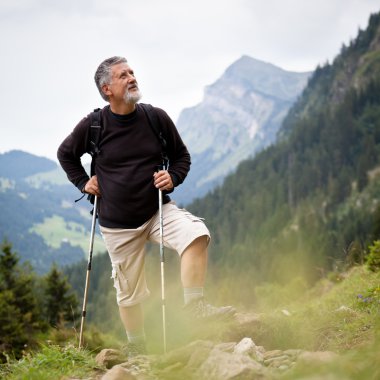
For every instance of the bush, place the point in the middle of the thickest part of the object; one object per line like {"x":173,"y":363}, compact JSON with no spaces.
{"x":373,"y":258}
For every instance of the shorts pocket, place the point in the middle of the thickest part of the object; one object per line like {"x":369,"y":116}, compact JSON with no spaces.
{"x":120,"y":282}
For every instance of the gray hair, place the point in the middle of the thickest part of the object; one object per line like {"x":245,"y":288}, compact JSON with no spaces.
{"x":103,"y":73}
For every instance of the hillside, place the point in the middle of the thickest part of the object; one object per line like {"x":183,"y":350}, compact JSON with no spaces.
{"x":39,"y":215}
{"x":310,"y":202}
{"x":13,"y":165}
{"x":239,"y":115}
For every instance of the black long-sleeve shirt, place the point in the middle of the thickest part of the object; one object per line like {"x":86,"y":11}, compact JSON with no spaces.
{"x":129,"y":154}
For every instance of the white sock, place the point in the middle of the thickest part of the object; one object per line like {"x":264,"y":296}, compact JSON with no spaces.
{"x":137,"y":336}
{"x":192,"y":293}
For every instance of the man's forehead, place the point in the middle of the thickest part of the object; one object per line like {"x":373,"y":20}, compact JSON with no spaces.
{"x":122,"y":66}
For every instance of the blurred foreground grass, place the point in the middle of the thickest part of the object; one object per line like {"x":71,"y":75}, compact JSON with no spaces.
{"x":51,"y":362}
{"x":340,"y":313}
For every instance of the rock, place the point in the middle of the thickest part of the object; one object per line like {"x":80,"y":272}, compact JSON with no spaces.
{"x":198,"y":357}
{"x":141,"y":366}
{"x":226,"y":366}
{"x":293,"y":353}
{"x":226,"y":347}
{"x":245,"y":347}
{"x":242,"y":326}
{"x":276,"y":361}
{"x":118,"y":373}
{"x":317,"y":357}
{"x":272,"y":354}
{"x":109,"y":357}
{"x":245,"y":319}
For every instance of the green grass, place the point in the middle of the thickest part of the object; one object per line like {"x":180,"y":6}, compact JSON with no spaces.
{"x":358,"y":364}
{"x":340,"y":313}
{"x":55,"y":230}
{"x":334,"y":315}
{"x":51,"y":362}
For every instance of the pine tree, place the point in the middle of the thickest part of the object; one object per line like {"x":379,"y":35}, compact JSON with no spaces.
{"x":61,"y":304}
{"x":20,"y":317}
{"x":12,"y":334}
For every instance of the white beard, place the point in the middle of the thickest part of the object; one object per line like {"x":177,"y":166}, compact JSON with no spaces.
{"x":132,"y":97}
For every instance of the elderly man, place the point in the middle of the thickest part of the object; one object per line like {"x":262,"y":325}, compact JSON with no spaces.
{"x":127,"y":182}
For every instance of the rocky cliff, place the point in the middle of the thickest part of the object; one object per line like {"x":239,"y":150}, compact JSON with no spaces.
{"x":239,"y":116}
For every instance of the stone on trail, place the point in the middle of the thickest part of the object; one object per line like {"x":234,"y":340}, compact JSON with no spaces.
{"x":109,"y":357}
{"x":227,"y":366}
{"x":118,"y":373}
{"x":245,"y":347}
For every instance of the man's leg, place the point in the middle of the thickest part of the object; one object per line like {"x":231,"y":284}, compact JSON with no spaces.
{"x":194,"y":263}
{"x":127,"y":254}
{"x":193,"y":275}
{"x":188,"y":235}
{"x":132,"y":318}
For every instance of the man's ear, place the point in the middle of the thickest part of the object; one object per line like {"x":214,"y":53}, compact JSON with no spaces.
{"x":106,"y":90}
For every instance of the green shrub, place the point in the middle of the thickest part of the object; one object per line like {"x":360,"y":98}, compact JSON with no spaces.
{"x":373,"y":258}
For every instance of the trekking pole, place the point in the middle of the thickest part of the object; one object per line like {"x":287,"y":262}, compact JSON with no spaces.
{"x":94,"y":211}
{"x":162,"y":257}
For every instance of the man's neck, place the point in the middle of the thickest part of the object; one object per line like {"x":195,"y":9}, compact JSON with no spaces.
{"x":122,"y":108}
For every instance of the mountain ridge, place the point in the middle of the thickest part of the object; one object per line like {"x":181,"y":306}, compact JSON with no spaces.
{"x":239,"y":116}
{"x":18,"y":164}
{"x":311,"y":200}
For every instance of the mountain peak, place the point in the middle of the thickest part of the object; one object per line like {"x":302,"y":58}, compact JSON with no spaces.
{"x":263,"y":77}
{"x":240,"y":114}
{"x":250,"y":63}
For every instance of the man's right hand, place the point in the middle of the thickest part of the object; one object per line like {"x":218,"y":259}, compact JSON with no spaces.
{"x":92,"y":186}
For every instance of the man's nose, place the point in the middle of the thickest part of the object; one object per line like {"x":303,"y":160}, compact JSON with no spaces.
{"x":131,"y":78}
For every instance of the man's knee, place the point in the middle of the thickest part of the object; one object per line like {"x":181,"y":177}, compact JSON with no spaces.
{"x":198,"y":245}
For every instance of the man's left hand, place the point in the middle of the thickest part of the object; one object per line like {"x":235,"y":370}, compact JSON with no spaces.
{"x":163,"y":180}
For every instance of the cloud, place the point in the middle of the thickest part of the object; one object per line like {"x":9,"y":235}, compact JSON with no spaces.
{"x":51,"y":49}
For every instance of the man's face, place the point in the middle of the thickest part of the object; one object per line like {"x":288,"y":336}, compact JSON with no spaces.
{"x":123,"y":84}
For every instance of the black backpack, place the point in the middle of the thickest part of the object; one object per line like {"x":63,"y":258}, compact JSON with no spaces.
{"x":96,"y":134}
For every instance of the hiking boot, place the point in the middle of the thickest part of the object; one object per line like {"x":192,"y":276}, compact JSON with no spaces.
{"x":199,"y":309}
{"x":134,"y":349}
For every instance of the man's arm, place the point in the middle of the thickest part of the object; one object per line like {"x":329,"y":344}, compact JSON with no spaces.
{"x":70,"y":152}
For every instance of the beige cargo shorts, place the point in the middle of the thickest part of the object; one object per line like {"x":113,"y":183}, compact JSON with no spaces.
{"x":126,"y":248}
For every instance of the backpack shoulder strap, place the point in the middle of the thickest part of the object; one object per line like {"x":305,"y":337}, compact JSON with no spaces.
{"x":95,"y":131}
{"x":94,"y":136}
{"x":93,"y":143}
{"x":155,"y":124}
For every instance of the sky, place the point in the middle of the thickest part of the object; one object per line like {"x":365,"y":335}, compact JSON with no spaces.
{"x":50,"y":50}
